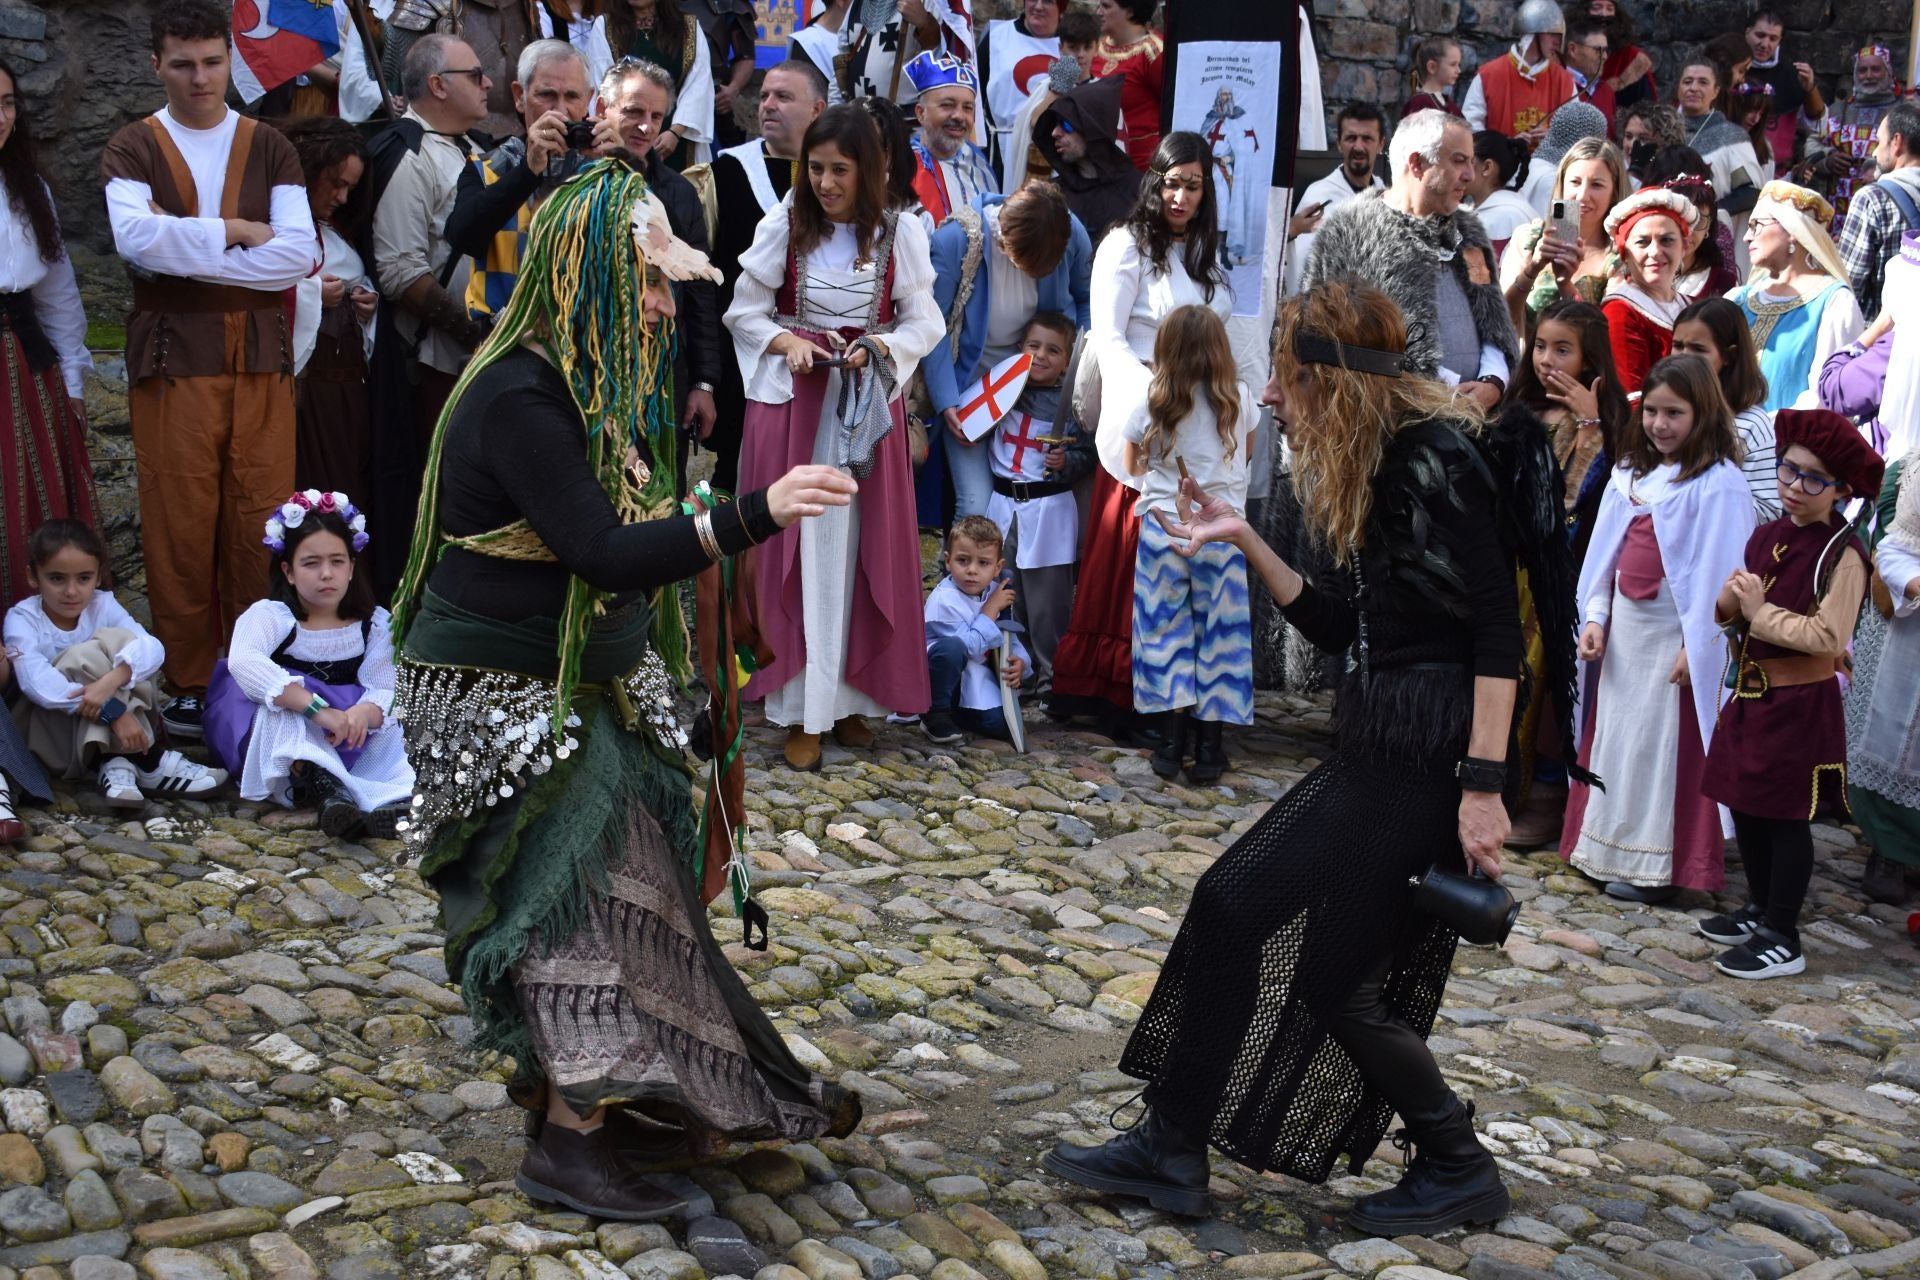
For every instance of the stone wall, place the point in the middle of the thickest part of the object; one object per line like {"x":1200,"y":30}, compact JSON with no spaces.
{"x":1363,"y":43}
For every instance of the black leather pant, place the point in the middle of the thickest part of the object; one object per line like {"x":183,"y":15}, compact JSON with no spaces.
{"x":1394,"y":1060}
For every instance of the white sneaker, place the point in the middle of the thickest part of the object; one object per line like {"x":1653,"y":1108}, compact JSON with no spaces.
{"x":120,"y":781}
{"x":179,"y":776}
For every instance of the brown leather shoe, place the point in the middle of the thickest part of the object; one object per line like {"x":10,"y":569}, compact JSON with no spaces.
{"x":12,"y":829}
{"x":853,"y":733}
{"x":584,"y":1172}
{"x":803,"y":750}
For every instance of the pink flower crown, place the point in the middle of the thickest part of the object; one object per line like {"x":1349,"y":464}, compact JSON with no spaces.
{"x":293,"y":512}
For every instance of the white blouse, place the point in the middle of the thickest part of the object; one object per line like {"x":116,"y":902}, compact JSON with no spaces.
{"x":839,"y":294}
{"x":1128,"y":299}
{"x":36,"y":643}
{"x":56,"y":296}
{"x":337,"y":258}
{"x":264,"y":627}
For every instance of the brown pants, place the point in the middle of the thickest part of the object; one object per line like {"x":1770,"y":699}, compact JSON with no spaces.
{"x":69,"y":745}
{"x":215,"y":458}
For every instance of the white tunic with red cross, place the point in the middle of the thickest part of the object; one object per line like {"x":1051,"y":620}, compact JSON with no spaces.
{"x":1046,"y":530}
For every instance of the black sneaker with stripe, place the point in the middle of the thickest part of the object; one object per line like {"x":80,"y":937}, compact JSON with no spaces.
{"x":1732,"y":929}
{"x":1765,"y":955}
{"x":183,"y":717}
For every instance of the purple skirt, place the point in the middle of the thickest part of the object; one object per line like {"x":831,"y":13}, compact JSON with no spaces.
{"x":228,"y":722}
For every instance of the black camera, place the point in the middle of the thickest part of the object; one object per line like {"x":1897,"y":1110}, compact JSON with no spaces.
{"x":579,"y":135}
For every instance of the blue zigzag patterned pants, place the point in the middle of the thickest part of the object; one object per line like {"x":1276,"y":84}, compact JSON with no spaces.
{"x":1192,"y":630}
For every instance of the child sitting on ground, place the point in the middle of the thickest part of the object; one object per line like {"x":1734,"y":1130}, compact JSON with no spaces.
{"x":963,"y":637}
{"x":86,"y":671}
{"x":1779,"y":757}
{"x":298,"y":708}
{"x":1039,"y":454}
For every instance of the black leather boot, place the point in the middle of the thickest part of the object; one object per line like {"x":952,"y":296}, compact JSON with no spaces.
{"x":1153,"y":1160}
{"x":1450,"y":1181}
{"x":1173,"y":749}
{"x":1209,"y":752}
{"x":584,"y":1172}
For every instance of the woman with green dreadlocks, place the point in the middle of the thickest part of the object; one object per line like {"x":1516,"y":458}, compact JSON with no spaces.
{"x":539,"y":638}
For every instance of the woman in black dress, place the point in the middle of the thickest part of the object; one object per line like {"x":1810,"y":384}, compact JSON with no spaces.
{"x":1289,"y":1022}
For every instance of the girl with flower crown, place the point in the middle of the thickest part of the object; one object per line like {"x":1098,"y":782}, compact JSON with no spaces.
{"x":298,"y":709}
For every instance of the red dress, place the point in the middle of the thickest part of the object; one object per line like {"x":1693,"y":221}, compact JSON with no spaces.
{"x":1424,"y":101}
{"x":1142,"y":80}
{"x":1094,"y":663}
{"x":1640,"y":330}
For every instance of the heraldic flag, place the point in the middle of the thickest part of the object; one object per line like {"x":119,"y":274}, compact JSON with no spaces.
{"x":276,"y":40}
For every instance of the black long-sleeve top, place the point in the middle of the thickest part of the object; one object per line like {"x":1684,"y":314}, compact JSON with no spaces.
{"x":515,"y":447}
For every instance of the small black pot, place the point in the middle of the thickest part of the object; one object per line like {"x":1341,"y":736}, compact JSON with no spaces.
{"x":1478,"y":909}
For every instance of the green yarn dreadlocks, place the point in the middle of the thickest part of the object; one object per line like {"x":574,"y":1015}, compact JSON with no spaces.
{"x":579,"y":295}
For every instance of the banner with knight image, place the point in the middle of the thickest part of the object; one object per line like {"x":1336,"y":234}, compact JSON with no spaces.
{"x":1229,"y":93}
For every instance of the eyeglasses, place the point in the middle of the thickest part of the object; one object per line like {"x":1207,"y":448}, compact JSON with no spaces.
{"x":1761,"y":224}
{"x":1064,"y":126}
{"x":1811,"y":484}
{"x":1600,"y":49}
{"x":478,"y":73}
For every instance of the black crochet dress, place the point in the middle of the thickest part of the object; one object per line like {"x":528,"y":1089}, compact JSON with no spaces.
{"x":1303,"y":907}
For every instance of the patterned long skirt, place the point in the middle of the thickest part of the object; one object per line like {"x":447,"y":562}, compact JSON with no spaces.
{"x":1192,"y":633}
{"x":44,"y":468}
{"x":638,"y":1005}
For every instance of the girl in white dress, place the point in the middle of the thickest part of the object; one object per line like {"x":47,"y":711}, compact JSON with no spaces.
{"x":298,"y":709}
{"x":834,"y":276}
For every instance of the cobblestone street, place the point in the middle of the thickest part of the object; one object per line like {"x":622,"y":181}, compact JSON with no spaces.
{"x":231,"y":1052}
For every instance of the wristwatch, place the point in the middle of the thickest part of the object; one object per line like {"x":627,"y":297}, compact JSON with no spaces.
{"x":112,"y":711}
{"x":1495,"y":380}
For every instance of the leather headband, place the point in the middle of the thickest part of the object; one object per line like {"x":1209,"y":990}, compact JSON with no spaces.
{"x":1315,"y":348}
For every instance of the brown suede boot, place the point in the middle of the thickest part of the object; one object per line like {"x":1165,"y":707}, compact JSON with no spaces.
{"x":853,"y":733}
{"x":584,"y":1172}
{"x":802,"y":750}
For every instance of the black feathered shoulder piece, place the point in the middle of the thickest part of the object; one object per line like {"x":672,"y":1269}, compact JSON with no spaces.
{"x":1533,"y":511}
{"x":1427,"y":480}
{"x":1433,"y":474}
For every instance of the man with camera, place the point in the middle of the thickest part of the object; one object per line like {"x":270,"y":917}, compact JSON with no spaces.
{"x":498,"y":193}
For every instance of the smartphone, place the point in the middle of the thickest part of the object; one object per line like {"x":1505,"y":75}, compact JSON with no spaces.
{"x":1565,"y":222}
{"x":829,"y":362}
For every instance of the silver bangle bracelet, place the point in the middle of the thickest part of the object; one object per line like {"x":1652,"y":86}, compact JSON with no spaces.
{"x":703,"y":525}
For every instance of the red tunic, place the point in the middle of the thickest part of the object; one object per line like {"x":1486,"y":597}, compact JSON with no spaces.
{"x":1142,"y":79}
{"x":1639,"y":342}
{"x":1516,"y":104}
{"x":1783,"y":753}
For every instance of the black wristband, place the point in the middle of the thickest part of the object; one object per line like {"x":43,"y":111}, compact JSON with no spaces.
{"x":1481,"y":775}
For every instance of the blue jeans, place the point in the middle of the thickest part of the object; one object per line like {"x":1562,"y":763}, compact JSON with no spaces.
{"x":970,"y":467}
{"x":946,"y":665}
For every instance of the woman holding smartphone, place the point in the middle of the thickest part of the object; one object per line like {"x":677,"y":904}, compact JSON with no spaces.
{"x":1565,"y":255}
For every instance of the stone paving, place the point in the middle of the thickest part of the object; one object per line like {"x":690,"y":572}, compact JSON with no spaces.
{"x":229,"y":1051}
